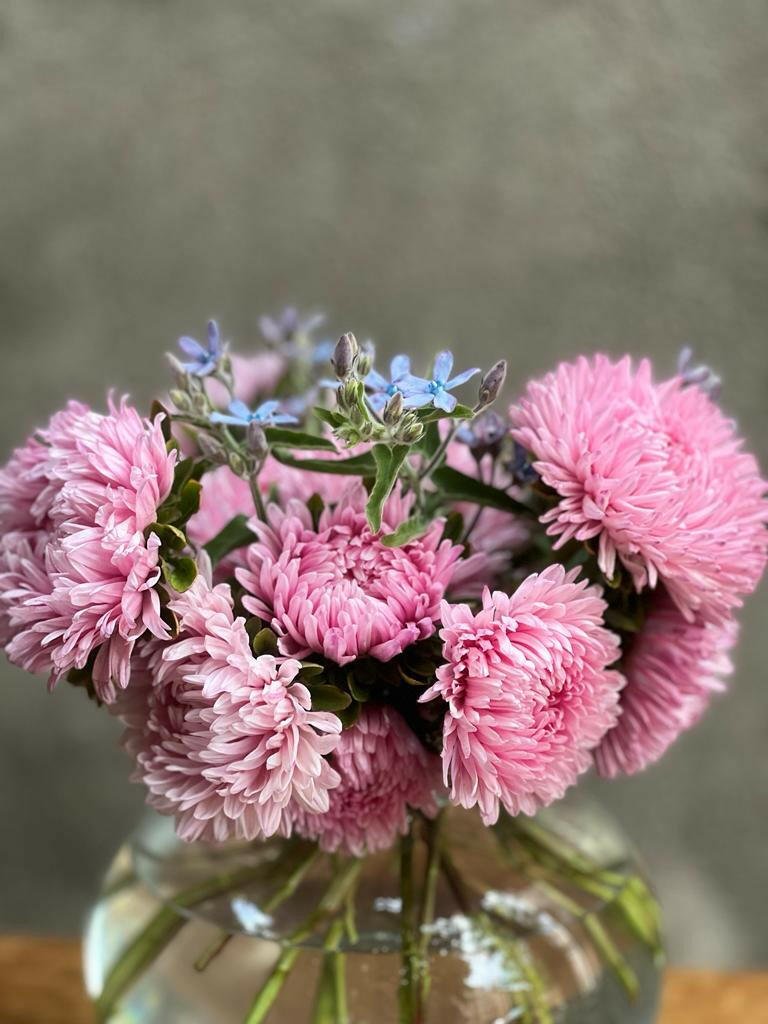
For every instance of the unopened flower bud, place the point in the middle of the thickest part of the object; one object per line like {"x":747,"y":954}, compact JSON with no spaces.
{"x":492,"y":384}
{"x":257,"y":441}
{"x":199,"y":403}
{"x":237,"y":464}
{"x":348,"y":396}
{"x":180,"y":399}
{"x":410,"y":429}
{"x":344,"y":355}
{"x":212,"y":449}
{"x":393,"y":410}
{"x":365,"y":358}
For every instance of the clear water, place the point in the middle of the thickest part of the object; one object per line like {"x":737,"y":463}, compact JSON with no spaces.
{"x":471,"y":981}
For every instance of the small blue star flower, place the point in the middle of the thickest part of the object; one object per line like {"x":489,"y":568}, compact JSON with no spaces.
{"x":203,"y":361}
{"x":418,"y":391}
{"x":381,"y":389}
{"x":241,"y":416}
{"x":283,"y":329}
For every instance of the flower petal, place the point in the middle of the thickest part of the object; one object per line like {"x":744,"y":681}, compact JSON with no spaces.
{"x":192,"y":348}
{"x":445,"y":401}
{"x":462,"y":378}
{"x":400,"y":367}
{"x":443,"y":366}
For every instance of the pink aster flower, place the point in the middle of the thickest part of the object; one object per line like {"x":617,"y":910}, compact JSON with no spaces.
{"x":384,"y":771}
{"x":337,"y":589}
{"x":91,"y":485}
{"x":655,"y":473}
{"x":528,"y":690}
{"x":223,"y":741}
{"x":672,"y":668}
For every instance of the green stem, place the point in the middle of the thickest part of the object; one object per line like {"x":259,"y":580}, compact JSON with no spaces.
{"x":409,"y":951}
{"x":283,"y":894}
{"x":258,"y":500}
{"x":330,"y":903}
{"x":159,"y":931}
{"x":437,"y":458}
{"x":427,"y":913}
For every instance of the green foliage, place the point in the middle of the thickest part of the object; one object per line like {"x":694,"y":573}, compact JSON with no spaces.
{"x":456,"y":486}
{"x":406,"y":531}
{"x":388,"y":463}
{"x":236,"y":534}
{"x":356,"y":465}
{"x":285,"y":437}
{"x":180,"y":573}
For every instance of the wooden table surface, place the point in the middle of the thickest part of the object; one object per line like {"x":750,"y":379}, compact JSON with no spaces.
{"x":40,"y":983}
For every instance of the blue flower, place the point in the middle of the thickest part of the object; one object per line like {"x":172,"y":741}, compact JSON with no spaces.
{"x":202,"y":361}
{"x":283,"y":330}
{"x":703,"y":377}
{"x":381,"y":389}
{"x":241,"y":416}
{"x":418,"y":391}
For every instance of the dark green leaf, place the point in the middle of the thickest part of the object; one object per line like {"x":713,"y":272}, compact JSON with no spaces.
{"x":356,"y":465}
{"x":264,"y":642}
{"x":388,"y":463}
{"x":406,"y":531}
{"x":430,"y":442}
{"x":236,"y":534}
{"x":315,"y":506}
{"x":171,"y":538}
{"x":180,"y":573}
{"x":284,"y":437}
{"x":432,"y":415}
{"x":328,"y":698}
{"x":189,"y":499}
{"x":454,"y":527}
{"x":359,"y":690}
{"x":456,"y":486}
{"x":309,"y":670}
{"x":350,"y":715}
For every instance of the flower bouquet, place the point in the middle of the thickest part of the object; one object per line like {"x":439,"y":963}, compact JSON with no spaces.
{"x":332,"y":613}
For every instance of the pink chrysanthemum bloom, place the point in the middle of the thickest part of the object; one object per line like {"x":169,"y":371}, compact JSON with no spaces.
{"x":529,"y":692}
{"x":95,"y":484}
{"x":655,"y":473}
{"x":337,"y":589}
{"x":384,"y":770}
{"x":672,"y":669}
{"x":223,"y":741}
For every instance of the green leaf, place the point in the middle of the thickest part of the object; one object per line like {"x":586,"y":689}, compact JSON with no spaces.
{"x":454,"y":527}
{"x":430,"y":442}
{"x":350,"y":715}
{"x":456,"y":486}
{"x":189,"y":499}
{"x":315,"y":506}
{"x":309,"y":670}
{"x":329,"y":416}
{"x":236,"y":534}
{"x":328,"y":698}
{"x":171,"y":538}
{"x":265,"y":642}
{"x":432,"y":415}
{"x":287,"y":438}
{"x":388,"y":463}
{"x":360,"y":691}
{"x":406,"y":531}
{"x":180,"y":573}
{"x":356,"y":465}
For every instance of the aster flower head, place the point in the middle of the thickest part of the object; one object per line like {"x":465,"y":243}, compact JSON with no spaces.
{"x":239,"y":415}
{"x":90,"y":590}
{"x":528,"y":691}
{"x":203,"y":360}
{"x":225,"y":742}
{"x":673,"y":668}
{"x":384,"y":771}
{"x":654,"y":474}
{"x":336,"y":589}
{"x":420,"y":391}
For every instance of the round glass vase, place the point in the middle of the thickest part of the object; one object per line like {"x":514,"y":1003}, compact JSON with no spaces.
{"x":542,"y":921}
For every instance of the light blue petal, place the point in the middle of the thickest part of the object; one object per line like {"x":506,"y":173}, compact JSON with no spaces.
{"x":417,"y":400}
{"x":240,"y":410}
{"x":325,"y":382}
{"x":266,"y":409}
{"x":283,"y":417}
{"x":443,"y":366}
{"x":411,"y":385}
{"x":400,"y":367}
{"x":233,"y":421}
{"x":377,"y":401}
{"x":445,"y":401}
{"x":462,"y":378}
{"x":377,"y":381}
{"x":214,"y":340}
{"x":192,"y":348}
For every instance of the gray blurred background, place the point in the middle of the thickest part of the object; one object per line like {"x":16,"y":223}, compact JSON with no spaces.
{"x":526,"y":177}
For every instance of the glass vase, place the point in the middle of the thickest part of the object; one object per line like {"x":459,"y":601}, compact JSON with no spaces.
{"x":542,"y":921}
